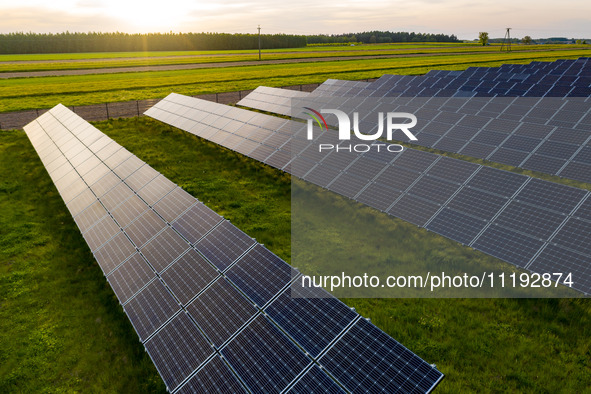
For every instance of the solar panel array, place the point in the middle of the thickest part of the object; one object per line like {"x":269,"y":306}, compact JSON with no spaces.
{"x":522,"y":220}
{"x":212,"y":307}
{"x":550,"y":135}
{"x":561,"y":78}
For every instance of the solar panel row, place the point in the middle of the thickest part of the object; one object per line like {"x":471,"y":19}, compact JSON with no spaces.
{"x":548,"y":135}
{"x":210,"y":305}
{"x":510,"y":216}
{"x":562,"y":78}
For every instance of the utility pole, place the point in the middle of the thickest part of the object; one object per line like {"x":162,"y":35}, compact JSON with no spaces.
{"x":259,"y":42}
{"x":507,"y":40}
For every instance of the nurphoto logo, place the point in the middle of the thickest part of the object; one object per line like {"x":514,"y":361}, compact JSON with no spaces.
{"x":395,"y":121}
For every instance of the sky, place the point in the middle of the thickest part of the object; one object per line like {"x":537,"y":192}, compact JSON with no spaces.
{"x":536,"y":18}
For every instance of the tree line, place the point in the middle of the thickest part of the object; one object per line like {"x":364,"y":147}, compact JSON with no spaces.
{"x":17,"y":43}
{"x":20,"y":43}
{"x":380,"y":37}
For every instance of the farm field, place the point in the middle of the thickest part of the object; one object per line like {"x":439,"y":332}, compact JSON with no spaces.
{"x":27,"y":63}
{"x":64,"y":330}
{"x":74,"y":90}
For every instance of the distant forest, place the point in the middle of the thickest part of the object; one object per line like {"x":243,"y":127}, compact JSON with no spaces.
{"x":17,"y":43}
{"x":14,"y":43}
{"x":381,"y":37}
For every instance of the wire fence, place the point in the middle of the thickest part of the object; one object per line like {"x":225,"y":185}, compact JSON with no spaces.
{"x":126,"y":109}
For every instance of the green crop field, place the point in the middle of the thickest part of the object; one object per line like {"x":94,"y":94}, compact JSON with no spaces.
{"x":27,"y":63}
{"x":63,"y":329}
{"x":74,"y":90}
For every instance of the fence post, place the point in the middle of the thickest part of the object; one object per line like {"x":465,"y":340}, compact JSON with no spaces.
{"x":107,"y":108}
{"x":37,"y":110}
{"x":301,"y":88}
{"x":73,"y":110}
{"x":216,"y":98}
{"x":137,"y":103}
{"x":240,"y":94}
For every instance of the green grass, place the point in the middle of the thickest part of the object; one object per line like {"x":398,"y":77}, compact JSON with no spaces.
{"x":46,"y":92}
{"x":63,"y":330}
{"x":115,"y":55}
{"x":252,"y":56}
{"x":62,"y":327}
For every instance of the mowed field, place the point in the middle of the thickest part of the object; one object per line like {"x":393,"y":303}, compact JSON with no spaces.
{"x":314,"y":65}
{"x":63,"y":330}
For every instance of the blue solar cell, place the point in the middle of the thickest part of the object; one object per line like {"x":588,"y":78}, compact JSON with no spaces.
{"x":555,"y":259}
{"x":378,"y":196}
{"x":190,"y":274}
{"x":311,"y":316}
{"x":535,"y":221}
{"x":177,"y":350}
{"x":129,"y":277}
{"x":575,"y":235}
{"x":433,"y":189}
{"x":196,"y":222}
{"x":213,"y":377}
{"x":495,"y":181}
{"x":315,"y":381}
{"x":150,"y":308}
{"x":260,"y":274}
{"x":273,"y":360}
{"x":552,"y":196}
{"x":508,"y":245}
{"x":224,"y":244}
{"x":220,"y":311}
{"x":413,"y":209}
{"x":365,"y":359}
{"x":456,"y":225}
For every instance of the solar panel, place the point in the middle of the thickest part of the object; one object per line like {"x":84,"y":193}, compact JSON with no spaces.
{"x":508,"y":245}
{"x":552,"y":196}
{"x":128,"y":248}
{"x":387,"y":366}
{"x":220,"y":311}
{"x":196,"y":222}
{"x":190,"y":274}
{"x":263,"y":345}
{"x":111,"y":254}
{"x":378,"y":196}
{"x":130,"y":277}
{"x":150,"y":309}
{"x":315,"y":381}
{"x":464,"y":201}
{"x":224,"y":244}
{"x":164,"y":248}
{"x":456,"y":225}
{"x":213,"y":377}
{"x":177,"y":350}
{"x":311,"y":316}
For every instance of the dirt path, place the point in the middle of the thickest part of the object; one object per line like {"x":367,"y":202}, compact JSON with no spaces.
{"x":175,"y":67}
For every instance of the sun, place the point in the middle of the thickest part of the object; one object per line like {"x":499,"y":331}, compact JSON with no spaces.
{"x":151,"y":16}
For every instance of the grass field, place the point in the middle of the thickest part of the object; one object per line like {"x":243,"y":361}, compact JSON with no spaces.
{"x":179,"y":58}
{"x":74,"y":90}
{"x":113,"y":55}
{"x":64,"y":331}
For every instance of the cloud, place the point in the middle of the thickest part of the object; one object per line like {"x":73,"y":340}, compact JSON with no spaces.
{"x":538,"y":18}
